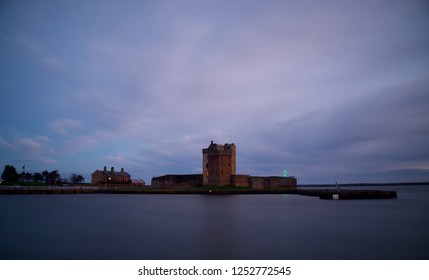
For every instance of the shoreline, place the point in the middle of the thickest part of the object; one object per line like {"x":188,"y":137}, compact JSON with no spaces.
{"x":347,"y":185}
{"x":321,"y":193}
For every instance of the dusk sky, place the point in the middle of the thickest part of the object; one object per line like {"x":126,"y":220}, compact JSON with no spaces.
{"x":329,"y":90}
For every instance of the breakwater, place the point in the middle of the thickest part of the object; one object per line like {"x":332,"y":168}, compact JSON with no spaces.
{"x":321,"y":193}
{"x":350,"y":194}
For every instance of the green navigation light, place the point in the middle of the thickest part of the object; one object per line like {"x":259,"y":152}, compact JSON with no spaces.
{"x":284,"y":173}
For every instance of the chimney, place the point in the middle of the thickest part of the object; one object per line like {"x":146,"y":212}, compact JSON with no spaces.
{"x":211,"y":143}
{"x":112,"y":169}
{"x":122,"y":170}
{"x":105,"y":168}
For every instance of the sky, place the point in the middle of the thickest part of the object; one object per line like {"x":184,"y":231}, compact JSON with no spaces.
{"x":328,"y":90}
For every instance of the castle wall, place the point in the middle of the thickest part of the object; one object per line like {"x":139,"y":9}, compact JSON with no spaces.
{"x":177,"y":181}
{"x":205,"y":169}
{"x":240,"y":180}
{"x":233,"y":160}
{"x":258,"y":182}
{"x":282,"y":182}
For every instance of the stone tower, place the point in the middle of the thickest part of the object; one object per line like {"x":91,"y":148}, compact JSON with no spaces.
{"x":219,"y":163}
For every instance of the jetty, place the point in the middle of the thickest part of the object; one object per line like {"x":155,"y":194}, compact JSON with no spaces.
{"x":349,"y":194}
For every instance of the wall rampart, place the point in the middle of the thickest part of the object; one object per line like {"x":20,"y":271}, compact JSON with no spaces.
{"x":238,"y":180}
{"x":177,"y":181}
{"x":259,"y":182}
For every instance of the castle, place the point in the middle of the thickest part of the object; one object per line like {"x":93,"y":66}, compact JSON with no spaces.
{"x":219,"y":169}
{"x":219,"y":163}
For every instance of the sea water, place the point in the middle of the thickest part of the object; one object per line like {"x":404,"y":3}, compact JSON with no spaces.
{"x":122,"y":226}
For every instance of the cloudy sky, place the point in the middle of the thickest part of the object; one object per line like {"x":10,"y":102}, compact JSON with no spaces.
{"x":329,"y":90}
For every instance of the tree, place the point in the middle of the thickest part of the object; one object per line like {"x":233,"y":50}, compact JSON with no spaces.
{"x":80,"y":179}
{"x":73,"y":178}
{"x":37,"y":177}
{"x":45,"y":175}
{"x":54,"y":176}
{"x":76,"y":178}
{"x":27,"y":176}
{"x":9,"y":174}
{"x":51,"y":177}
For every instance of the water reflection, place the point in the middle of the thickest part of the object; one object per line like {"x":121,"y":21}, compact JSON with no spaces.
{"x":213,"y":227}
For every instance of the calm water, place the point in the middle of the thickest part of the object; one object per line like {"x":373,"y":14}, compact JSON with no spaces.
{"x":214,"y":227}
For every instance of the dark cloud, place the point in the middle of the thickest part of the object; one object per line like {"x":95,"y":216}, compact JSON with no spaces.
{"x":379,"y":132}
{"x":337,"y":90}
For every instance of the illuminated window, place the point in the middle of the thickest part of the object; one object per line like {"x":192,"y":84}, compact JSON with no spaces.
{"x":207,"y":174}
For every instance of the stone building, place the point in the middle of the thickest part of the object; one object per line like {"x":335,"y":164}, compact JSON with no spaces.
{"x":112,"y":177}
{"x":219,"y":169}
{"x":138,"y":182}
{"x":219,"y":163}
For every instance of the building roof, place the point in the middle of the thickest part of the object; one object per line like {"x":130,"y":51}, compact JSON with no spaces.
{"x":218,"y":148}
{"x":112,"y":172}
{"x":138,"y":181}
